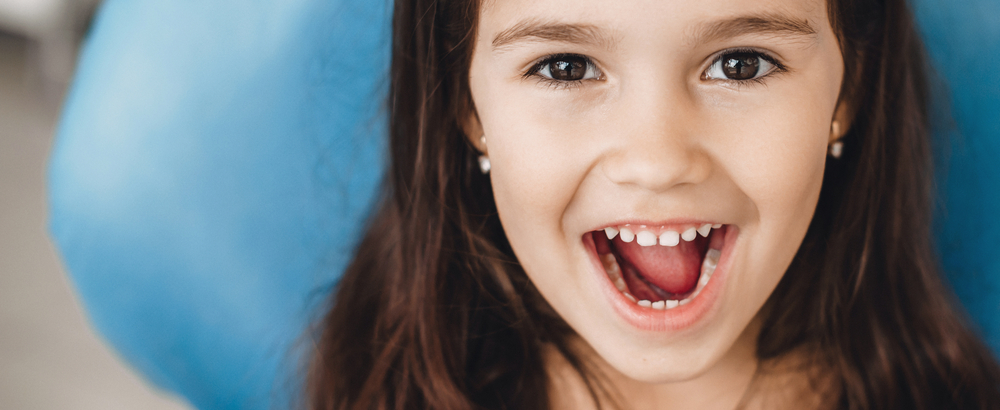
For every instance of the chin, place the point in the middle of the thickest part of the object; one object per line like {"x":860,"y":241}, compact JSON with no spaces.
{"x":670,"y":366}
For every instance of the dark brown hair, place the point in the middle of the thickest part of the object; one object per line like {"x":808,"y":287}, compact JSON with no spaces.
{"x":435,"y":312}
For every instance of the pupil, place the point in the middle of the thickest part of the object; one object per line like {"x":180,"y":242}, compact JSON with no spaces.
{"x":741,"y":66}
{"x":568,"y":69}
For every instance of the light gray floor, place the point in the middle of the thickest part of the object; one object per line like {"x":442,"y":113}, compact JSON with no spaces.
{"x":50,"y":359}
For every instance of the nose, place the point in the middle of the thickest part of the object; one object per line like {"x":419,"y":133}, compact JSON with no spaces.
{"x":657,"y":147}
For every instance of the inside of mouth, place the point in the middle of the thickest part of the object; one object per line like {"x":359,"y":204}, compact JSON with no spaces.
{"x":655,"y":272}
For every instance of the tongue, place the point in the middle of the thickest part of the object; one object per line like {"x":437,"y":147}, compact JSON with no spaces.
{"x":673,"y":269}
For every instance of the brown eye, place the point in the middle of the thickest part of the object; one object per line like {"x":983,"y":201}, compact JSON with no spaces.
{"x":567,"y":68}
{"x":740,"y":66}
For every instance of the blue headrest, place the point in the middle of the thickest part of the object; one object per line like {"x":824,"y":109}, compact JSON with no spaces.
{"x":213,"y":165}
{"x":216,"y":159}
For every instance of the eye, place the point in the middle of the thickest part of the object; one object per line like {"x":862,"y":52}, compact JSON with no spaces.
{"x":741,"y":66}
{"x":567,"y":67}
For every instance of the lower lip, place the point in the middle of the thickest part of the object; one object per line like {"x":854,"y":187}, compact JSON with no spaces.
{"x":669,"y":320}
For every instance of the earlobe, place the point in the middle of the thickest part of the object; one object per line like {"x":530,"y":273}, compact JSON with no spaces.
{"x":838,"y":127}
{"x":473,"y":130}
{"x":841,"y":122}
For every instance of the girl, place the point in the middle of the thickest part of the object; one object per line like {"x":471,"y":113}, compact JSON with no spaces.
{"x":645,"y":204}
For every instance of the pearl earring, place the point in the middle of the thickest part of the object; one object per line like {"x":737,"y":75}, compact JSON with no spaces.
{"x":484,"y":160}
{"x":836,"y":147}
{"x":484,"y":164}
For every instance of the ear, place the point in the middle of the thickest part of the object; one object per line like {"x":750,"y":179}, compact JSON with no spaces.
{"x":843,"y":116}
{"x":473,"y":130}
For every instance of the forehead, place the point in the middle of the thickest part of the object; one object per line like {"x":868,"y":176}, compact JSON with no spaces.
{"x":505,"y":23}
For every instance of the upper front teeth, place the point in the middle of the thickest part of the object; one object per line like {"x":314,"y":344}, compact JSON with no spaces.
{"x":668,"y":238}
{"x":705,"y":229}
{"x":627,"y":234}
{"x":611,"y":232}
{"x":645,"y":238}
{"x":689,"y":234}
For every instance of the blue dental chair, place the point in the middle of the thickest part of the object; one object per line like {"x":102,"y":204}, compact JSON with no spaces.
{"x":216,"y":159}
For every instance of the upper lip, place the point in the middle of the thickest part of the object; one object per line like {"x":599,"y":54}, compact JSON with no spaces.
{"x":669,"y":223}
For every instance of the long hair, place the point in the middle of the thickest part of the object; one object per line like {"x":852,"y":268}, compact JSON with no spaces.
{"x":435,"y":312}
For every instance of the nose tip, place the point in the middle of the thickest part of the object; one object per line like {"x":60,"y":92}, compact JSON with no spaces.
{"x":658,"y":145}
{"x":658,"y":167}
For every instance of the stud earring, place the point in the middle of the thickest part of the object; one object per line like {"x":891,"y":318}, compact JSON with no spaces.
{"x":484,"y":160}
{"x":836,"y":147}
{"x":484,"y":164}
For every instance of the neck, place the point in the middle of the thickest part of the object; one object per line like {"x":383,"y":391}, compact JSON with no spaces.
{"x":737,"y":381}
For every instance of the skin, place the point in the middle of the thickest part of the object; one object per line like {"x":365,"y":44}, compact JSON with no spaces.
{"x":652,"y":138}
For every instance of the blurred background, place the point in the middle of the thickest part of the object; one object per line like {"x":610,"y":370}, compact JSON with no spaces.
{"x":50,"y":358}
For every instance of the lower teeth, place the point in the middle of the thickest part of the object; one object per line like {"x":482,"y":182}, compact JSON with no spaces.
{"x":615,"y":274}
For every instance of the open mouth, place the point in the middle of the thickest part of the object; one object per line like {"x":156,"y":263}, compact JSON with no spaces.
{"x":660,"y":267}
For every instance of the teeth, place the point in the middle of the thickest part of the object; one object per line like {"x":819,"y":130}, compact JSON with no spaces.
{"x":611,"y":232}
{"x":705,"y":229}
{"x":645,"y":238}
{"x":627,"y":235}
{"x":670,"y":238}
{"x":620,"y":284}
{"x":614,"y":270}
{"x":671,"y":304}
{"x":689,"y":234}
{"x":659,"y":305}
{"x":667,"y":238}
{"x":630,"y":297}
{"x":607,"y":258}
{"x":712,"y":258}
{"x":610,"y":264}
{"x":644,"y":303}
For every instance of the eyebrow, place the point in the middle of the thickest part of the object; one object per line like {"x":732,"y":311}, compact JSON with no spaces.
{"x":590,"y":34}
{"x":553,"y":31}
{"x":752,"y":24}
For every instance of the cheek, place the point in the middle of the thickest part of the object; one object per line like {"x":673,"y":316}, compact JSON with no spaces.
{"x":781,"y":164}
{"x":534,"y":178}
{"x":540,"y":157}
{"x":539,"y":154}
{"x":778,"y":162}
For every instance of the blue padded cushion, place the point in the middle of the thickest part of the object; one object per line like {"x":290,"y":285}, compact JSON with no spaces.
{"x":213,"y":165}
{"x":216,"y":159}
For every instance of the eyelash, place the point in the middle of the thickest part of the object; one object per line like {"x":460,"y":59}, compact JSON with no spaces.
{"x":532,"y":72}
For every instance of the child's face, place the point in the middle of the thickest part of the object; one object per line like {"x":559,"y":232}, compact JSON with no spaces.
{"x":657,"y":116}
